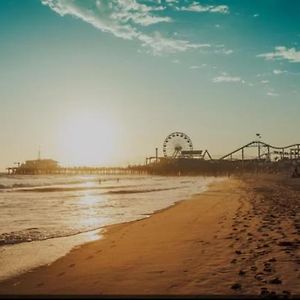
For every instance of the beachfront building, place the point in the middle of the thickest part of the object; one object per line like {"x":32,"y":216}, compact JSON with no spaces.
{"x":38,"y":166}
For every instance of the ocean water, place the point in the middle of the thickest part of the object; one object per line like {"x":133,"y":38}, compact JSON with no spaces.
{"x":44,"y":217}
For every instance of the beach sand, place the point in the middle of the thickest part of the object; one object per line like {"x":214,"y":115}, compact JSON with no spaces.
{"x":241,"y":237}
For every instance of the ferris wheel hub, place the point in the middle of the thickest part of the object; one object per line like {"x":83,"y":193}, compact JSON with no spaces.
{"x":175,"y":144}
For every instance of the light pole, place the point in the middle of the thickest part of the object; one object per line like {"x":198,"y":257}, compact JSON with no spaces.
{"x":258,"y":143}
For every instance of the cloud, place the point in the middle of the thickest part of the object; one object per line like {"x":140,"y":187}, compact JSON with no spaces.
{"x":282,"y":52}
{"x":195,"y":67}
{"x":264,"y":81}
{"x":278,"y":72}
{"x":159,"y":44}
{"x":226,"y":78}
{"x":224,"y":51}
{"x":272,"y":94}
{"x":197,"y":7}
{"x":124,"y":19}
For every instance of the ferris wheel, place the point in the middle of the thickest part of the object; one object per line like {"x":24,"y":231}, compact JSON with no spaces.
{"x":175,"y":143}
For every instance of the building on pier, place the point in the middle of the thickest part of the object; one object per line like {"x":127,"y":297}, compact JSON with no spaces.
{"x":37,"y":166}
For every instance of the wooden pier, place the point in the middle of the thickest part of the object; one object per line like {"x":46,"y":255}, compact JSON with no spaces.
{"x":49,"y":166}
{"x":76,"y":171}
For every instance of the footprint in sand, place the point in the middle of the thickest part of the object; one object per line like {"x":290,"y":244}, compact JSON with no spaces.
{"x":173,"y":285}
{"x":259,"y":276}
{"x":157,"y":271}
{"x":253,"y":268}
{"x":71,"y":265}
{"x":276,"y":280}
{"x":61,"y":274}
{"x":236,"y":286}
{"x":90,"y":257}
{"x":40,"y":284}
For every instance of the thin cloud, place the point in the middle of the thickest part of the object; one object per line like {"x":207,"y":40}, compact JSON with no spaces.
{"x":194,"y":67}
{"x":224,"y":51}
{"x":272,"y":94}
{"x":226,"y":78}
{"x":278,"y":72}
{"x":197,"y":7}
{"x":124,"y":19}
{"x":282,"y":52}
{"x":159,"y":44}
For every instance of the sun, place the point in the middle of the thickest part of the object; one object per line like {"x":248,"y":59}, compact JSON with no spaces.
{"x":87,"y":139}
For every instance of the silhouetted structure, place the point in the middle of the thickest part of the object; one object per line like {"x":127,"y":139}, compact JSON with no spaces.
{"x":50,"y":166}
{"x":180,"y":158}
{"x":37,"y":166}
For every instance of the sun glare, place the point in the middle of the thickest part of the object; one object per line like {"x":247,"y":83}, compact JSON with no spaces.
{"x":87,"y":139}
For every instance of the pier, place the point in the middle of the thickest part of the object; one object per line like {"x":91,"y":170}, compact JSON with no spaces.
{"x":49,"y":166}
{"x":180,"y":158}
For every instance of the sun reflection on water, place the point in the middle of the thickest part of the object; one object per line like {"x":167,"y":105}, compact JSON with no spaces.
{"x":91,"y":209}
{"x":89,"y":200}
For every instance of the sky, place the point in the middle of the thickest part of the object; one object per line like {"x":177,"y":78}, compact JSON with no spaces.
{"x":95,"y":82}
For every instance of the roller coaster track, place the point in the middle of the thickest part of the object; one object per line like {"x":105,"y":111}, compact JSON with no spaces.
{"x":294,"y":149}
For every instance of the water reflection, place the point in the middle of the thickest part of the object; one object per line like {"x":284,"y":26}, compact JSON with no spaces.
{"x":89,"y":200}
{"x":90,"y":216}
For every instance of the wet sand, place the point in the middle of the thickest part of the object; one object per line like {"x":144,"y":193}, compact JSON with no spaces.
{"x":241,"y":237}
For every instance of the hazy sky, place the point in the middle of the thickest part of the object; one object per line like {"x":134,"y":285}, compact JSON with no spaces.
{"x":104,"y":82}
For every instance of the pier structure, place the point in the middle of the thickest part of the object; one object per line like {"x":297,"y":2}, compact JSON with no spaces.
{"x":255,"y":156}
{"x":49,"y":166}
{"x":75,"y":171}
{"x":98,"y":171}
{"x":264,"y":151}
{"x":178,"y":145}
{"x":179,"y":155}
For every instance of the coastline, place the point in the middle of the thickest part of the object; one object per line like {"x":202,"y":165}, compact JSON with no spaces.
{"x":208,"y":245}
{"x":42,"y":252}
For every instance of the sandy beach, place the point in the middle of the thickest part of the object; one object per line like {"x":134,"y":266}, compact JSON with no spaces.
{"x":241,"y":237}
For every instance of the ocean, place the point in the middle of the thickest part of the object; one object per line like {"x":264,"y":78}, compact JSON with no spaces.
{"x":44,"y":217}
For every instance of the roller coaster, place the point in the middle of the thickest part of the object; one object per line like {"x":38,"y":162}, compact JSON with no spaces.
{"x":178,"y":145}
{"x":265,"y":152}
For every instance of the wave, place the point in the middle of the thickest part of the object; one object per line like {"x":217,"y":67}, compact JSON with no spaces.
{"x":35,"y":234}
{"x":40,"y":234}
{"x":27,"y":185}
{"x":7,"y":184}
{"x":140,"y":191}
{"x":63,"y":189}
{"x":110,"y":189}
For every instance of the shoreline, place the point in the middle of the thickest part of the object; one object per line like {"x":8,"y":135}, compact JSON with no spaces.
{"x":220,"y":242}
{"x":111,"y":234}
{"x":52,"y":249}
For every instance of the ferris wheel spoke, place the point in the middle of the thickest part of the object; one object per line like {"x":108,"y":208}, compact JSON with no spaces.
{"x":175,"y":143}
